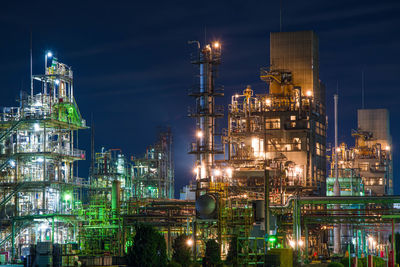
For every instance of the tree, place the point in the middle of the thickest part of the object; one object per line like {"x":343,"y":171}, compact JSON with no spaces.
{"x":181,"y":250}
{"x":212,"y":256}
{"x":231,"y":258}
{"x":148,"y":249}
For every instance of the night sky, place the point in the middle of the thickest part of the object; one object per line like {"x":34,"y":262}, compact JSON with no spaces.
{"x":132,"y":70}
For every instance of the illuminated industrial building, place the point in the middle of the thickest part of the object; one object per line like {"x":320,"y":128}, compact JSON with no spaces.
{"x":153,"y":175}
{"x":367,"y":167}
{"x":39,"y":190}
{"x":261,"y":180}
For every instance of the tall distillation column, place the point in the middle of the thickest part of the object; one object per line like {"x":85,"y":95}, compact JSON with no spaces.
{"x":336,"y":186}
{"x":205,"y":112}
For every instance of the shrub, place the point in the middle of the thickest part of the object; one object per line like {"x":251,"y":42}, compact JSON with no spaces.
{"x":174,"y":264}
{"x":149,"y":248}
{"x":181,"y":251}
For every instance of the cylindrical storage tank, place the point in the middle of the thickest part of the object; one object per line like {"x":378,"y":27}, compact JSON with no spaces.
{"x":206,"y":206}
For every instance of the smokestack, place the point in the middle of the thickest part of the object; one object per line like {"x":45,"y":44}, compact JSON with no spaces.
{"x":336,"y":185}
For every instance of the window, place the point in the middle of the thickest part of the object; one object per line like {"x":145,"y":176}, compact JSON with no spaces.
{"x":273,"y":123}
{"x":363,"y":166}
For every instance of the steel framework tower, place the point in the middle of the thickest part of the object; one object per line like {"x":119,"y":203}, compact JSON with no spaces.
{"x":206,"y":112}
{"x":38,"y":187}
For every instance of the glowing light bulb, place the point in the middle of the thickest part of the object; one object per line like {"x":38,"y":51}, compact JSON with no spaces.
{"x":217,"y":172}
{"x":308,"y":93}
{"x":216,"y":45}
{"x":189,"y":242}
{"x":229,"y":172}
{"x":49,"y":54}
{"x":199,"y":134}
{"x":36,"y":126}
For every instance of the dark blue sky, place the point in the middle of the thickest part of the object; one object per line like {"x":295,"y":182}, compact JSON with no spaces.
{"x":132,"y":70}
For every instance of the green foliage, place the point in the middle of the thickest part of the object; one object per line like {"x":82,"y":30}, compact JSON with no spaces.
{"x":336,"y":264}
{"x":149,"y":248}
{"x":181,"y":251}
{"x":378,"y":262}
{"x":174,"y":264}
{"x":231,"y":258}
{"x":212,"y":256}
{"x":345,"y":262}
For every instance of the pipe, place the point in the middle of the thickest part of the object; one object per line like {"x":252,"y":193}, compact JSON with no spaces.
{"x":336,"y":185}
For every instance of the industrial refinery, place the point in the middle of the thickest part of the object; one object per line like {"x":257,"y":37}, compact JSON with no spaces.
{"x":266,"y":185}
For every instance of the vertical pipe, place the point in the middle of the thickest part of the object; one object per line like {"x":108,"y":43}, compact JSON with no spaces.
{"x":31,"y":64}
{"x":12,"y":240}
{"x":306,"y":242}
{"x":266,"y":212}
{"x":336,"y":186}
{"x":393,"y":244}
{"x":115,"y":198}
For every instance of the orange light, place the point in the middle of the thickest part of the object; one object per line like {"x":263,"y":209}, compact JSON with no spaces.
{"x":216,"y":45}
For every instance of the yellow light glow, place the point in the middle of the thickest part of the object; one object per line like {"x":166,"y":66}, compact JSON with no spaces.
{"x":195,"y":170}
{"x":217,"y":172}
{"x":189,"y":242}
{"x":301,"y":243}
{"x":338,"y":149}
{"x":199,"y":134}
{"x":216,"y":45}
{"x":268,"y":101}
{"x":387,"y":148}
{"x":308,"y":93}
{"x":292,"y":243}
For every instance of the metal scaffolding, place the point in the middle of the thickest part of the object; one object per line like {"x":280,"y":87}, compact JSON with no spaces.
{"x":38,"y":140}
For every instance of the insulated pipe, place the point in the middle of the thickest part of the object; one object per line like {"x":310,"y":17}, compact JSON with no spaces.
{"x":115,"y":198}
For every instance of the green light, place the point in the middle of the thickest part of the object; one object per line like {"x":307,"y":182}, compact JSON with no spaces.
{"x":67,"y":197}
{"x":272,"y":239}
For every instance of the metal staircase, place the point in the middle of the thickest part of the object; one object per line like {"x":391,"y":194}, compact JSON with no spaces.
{"x":10,"y":130}
{"x":17,"y":230}
{"x":4,"y":164}
{"x":15,"y":190}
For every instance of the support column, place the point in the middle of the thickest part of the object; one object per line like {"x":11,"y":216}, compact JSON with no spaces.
{"x":12,"y":240}
{"x":266,"y":211}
